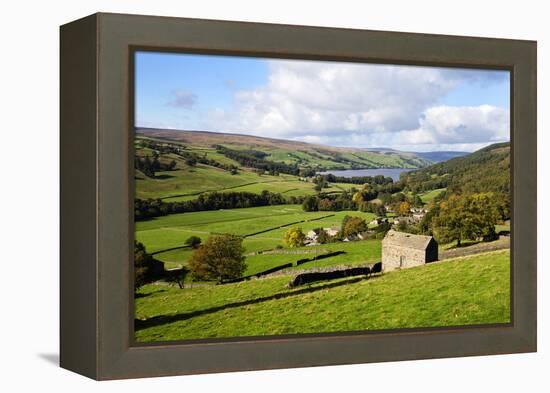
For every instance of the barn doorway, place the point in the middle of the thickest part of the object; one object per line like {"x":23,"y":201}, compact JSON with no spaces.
{"x":401,"y":260}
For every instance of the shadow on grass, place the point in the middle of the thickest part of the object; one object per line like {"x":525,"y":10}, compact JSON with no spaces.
{"x":140,"y":295}
{"x":465,"y":245}
{"x":163,"y":177}
{"x":164,"y":319}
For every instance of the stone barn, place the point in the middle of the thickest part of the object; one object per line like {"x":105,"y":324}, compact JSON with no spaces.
{"x":403,"y":250}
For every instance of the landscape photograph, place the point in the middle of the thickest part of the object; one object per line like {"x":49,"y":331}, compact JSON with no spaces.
{"x":283,"y":197}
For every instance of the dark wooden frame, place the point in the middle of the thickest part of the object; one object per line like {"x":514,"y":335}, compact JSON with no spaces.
{"x":97,"y":195}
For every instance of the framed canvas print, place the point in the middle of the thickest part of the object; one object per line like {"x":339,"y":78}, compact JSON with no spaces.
{"x":241,"y":196}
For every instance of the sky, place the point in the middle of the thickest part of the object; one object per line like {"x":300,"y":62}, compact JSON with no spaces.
{"x":406,"y":108}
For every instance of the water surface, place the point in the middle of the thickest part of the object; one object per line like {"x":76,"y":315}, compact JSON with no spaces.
{"x":387,"y":172}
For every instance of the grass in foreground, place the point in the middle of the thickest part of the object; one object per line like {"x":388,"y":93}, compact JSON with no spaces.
{"x":464,"y":291}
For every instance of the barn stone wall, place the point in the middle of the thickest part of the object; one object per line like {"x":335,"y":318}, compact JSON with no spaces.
{"x":391,"y":257}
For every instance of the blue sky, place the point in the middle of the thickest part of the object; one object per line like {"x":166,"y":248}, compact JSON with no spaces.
{"x":339,"y":104}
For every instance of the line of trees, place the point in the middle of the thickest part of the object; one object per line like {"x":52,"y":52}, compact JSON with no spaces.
{"x":328,"y":202}
{"x":256,"y":159}
{"x":378,"y":179}
{"x":149,"y":208}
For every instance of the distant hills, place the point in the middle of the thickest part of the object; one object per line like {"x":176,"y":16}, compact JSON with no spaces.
{"x":439,"y":156}
{"x":432,"y":156}
{"x":302,"y":153}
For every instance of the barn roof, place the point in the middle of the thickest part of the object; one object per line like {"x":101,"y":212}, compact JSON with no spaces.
{"x":409,"y":240}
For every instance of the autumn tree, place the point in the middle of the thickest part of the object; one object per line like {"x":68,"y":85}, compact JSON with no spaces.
{"x":404,"y":208}
{"x":294,"y":237}
{"x":353,"y":225}
{"x":358,"y":197}
{"x":464,"y":217}
{"x":219,"y":258}
{"x":326,"y":204}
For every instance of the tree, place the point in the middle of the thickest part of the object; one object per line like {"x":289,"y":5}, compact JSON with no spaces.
{"x":385,"y":197}
{"x":311,"y":204}
{"x":399,"y":197}
{"x":322,"y":236}
{"x":219,"y":258}
{"x":326,"y":204}
{"x":358,"y":197}
{"x":193,"y":241}
{"x":404,"y":208}
{"x":417,"y":201}
{"x":463,"y":217}
{"x":143,"y":266}
{"x":425,"y":225}
{"x":353,"y":226}
{"x":294,"y":237}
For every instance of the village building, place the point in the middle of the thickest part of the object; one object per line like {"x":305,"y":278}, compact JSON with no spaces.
{"x":378,"y":221}
{"x":404,"y":220}
{"x":402,"y":250}
{"x":313,"y":235}
{"x":359,"y":236}
{"x":418,"y":213}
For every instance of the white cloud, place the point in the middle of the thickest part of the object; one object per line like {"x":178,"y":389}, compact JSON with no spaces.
{"x":448,"y":124}
{"x":360,"y":105}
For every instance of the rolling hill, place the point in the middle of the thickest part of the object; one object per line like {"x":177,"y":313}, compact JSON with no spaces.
{"x":294,"y":152}
{"x":486,"y":170}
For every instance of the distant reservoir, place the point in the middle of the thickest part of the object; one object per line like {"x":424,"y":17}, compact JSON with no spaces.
{"x":387,"y":172}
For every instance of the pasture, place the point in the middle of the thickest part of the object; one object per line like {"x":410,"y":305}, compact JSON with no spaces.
{"x":171,"y":231}
{"x":462,"y":291}
{"x":428,"y":196}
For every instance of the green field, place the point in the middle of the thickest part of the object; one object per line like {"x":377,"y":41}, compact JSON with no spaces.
{"x":427,"y":197}
{"x":460,"y":291}
{"x":171,"y":231}
{"x":463,"y":291}
{"x":186,"y":182}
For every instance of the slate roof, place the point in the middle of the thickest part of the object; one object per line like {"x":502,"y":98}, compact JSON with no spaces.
{"x":418,"y":242}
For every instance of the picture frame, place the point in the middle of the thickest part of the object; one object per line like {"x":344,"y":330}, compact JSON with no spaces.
{"x":97,"y":193}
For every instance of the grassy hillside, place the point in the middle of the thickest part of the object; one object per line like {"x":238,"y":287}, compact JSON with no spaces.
{"x":292,"y":152}
{"x":187,"y":182}
{"x":486,"y":170}
{"x":464,"y":291}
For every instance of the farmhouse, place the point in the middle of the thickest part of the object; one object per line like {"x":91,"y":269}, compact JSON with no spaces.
{"x":313,"y":235}
{"x":403,"y":250}
{"x":378,"y":221}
